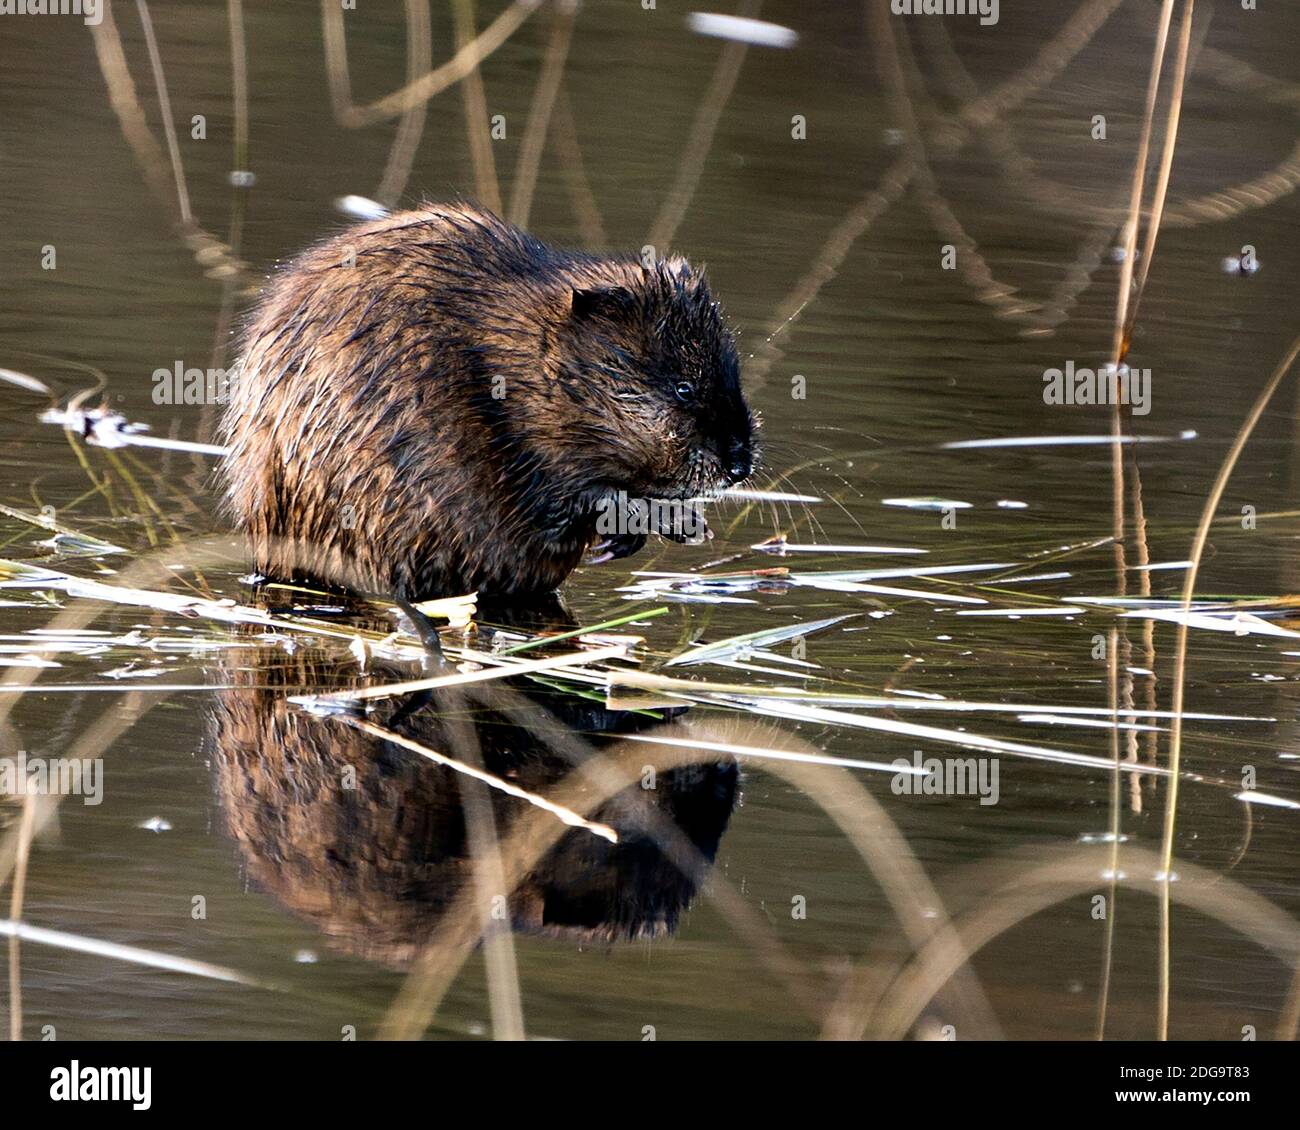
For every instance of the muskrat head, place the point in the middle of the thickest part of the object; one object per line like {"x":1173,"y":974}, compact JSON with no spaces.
{"x":653,"y":364}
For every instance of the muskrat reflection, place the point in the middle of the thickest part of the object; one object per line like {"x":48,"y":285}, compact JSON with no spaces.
{"x":368,"y":840}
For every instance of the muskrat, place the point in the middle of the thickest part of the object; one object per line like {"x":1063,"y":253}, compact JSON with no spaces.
{"x":437,"y":402}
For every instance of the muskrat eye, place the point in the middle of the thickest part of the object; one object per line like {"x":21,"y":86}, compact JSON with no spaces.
{"x":685,"y":391}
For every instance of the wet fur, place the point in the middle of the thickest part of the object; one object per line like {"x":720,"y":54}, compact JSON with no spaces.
{"x":367,"y":382}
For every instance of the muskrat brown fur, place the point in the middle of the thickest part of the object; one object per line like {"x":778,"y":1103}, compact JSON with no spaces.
{"x":437,"y":402}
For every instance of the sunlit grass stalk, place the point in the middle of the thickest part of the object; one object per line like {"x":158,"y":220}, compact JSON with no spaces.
{"x":26,"y":826}
{"x":1166,"y":166}
{"x":132,"y":955}
{"x":507,"y":670}
{"x":1180,"y":668}
{"x":1112,"y":682}
{"x":541,"y":641}
{"x":1119,"y":342}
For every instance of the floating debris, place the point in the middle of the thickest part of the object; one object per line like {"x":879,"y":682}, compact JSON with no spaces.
{"x":961,"y":738}
{"x":1240,"y":265}
{"x":1036,"y":577}
{"x":134,"y":955}
{"x":102,"y":427}
{"x":887,"y":590}
{"x":706,"y":588}
{"x":742,"y":29}
{"x":1252,"y":797}
{"x":1017,"y":613}
{"x":751,"y":641}
{"x":926,"y":503}
{"x":1095,"y":723}
{"x":27,"y":660}
{"x":1238,"y":623}
{"x":917,"y":572}
{"x":779,"y":754}
{"x":780,"y":546}
{"x":1061,"y":441}
{"x":458,"y":611}
{"x":65,"y":540}
{"x":361,"y":207}
{"x":563,"y":814}
{"x":505,"y":670}
{"x":22,"y":380}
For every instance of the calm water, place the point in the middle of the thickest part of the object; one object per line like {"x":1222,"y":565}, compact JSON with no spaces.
{"x":898,"y":357}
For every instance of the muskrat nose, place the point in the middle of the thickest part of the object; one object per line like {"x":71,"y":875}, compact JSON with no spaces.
{"x":740,"y":462}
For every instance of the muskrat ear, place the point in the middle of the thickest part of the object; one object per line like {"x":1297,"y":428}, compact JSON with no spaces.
{"x":616,"y":303}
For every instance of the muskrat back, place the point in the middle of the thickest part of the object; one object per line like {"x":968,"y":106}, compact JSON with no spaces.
{"x":438,"y":402}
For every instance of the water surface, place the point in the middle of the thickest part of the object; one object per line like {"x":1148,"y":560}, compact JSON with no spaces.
{"x":898,"y":359}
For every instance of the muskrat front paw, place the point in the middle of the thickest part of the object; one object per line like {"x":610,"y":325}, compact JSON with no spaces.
{"x":615,"y":546}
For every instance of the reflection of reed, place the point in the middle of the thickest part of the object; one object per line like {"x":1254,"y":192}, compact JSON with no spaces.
{"x":433,"y":82}
{"x":208,"y":251}
{"x":165,"y":107}
{"x":477,"y":130}
{"x":700,"y":141}
{"x":980,"y":115}
{"x":1079,"y":30}
{"x":1003,"y":893}
{"x":539,"y":112}
{"x":572,"y":168}
{"x":1267,"y":188}
{"x":833,"y":253}
{"x":419,"y":60}
{"x":604,"y":775}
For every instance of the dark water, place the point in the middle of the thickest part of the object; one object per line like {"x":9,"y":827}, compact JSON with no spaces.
{"x":898,"y":357}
